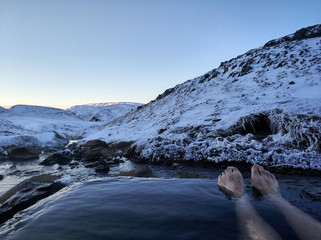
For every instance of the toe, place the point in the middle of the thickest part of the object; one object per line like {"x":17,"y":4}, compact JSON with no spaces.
{"x":273,"y":177}
{"x":255,"y":169}
{"x":261,"y":170}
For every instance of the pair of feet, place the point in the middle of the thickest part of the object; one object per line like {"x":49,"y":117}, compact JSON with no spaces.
{"x":231,"y":181}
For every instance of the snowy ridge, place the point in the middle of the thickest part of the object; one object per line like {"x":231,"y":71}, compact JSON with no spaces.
{"x":260,"y":107}
{"x":25,"y":125}
{"x":2,"y":109}
{"x":103,"y":112}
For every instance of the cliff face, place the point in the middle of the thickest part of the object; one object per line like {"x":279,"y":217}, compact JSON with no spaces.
{"x":260,"y":107}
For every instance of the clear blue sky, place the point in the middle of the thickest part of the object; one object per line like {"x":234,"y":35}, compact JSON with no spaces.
{"x":66,"y":52}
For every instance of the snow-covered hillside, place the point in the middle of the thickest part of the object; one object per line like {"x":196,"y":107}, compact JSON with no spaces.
{"x":2,"y":109}
{"x":260,"y":107}
{"x":25,"y":125}
{"x":38,"y":126}
{"x":103,"y":112}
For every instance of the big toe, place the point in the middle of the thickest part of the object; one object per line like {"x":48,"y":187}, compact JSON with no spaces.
{"x":255,"y":169}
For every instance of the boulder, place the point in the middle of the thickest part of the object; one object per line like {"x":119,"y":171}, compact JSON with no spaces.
{"x":95,"y":144}
{"x":27,"y":193}
{"x":1,"y":177}
{"x":141,"y":172}
{"x":102,"y":167}
{"x":72,"y":146}
{"x":97,"y":154}
{"x":23,"y":153}
{"x":56,"y":158}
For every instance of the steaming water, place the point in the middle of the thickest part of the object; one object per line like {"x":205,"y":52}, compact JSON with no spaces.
{"x":131,"y":208}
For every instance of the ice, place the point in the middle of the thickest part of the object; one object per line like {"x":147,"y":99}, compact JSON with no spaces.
{"x":65,"y":179}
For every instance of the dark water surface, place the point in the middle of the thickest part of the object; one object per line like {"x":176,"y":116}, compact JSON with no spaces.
{"x":132,"y":208}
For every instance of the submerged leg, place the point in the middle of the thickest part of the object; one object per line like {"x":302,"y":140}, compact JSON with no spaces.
{"x":305,"y":226}
{"x":252,"y":226}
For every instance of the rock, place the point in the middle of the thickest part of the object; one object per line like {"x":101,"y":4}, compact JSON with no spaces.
{"x":72,"y":146}
{"x":96,"y":154}
{"x":56,"y":158}
{"x":95,"y":144}
{"x":1,"y":177}
{"x":73,"y":163}
{"x":141,"y":172}
{"x":102,"y":167}
{"x":23,"y":153}
{"x":3,"y":154}
{"x":27,"y":193}
{"x":187,"y":174}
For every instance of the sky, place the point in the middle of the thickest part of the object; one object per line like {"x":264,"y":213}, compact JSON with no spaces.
{"x":61,"y":53}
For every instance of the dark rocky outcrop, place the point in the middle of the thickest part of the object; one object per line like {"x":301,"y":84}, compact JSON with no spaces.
{"x":95,"y":144}
{"x":23,"y":153}
{"x":166,"y":93}
{"x":100,"y":166}
{"x":56,"y":158}
{"x":97,"y":154}
{"x":95,"y":150}
{"x":27,"y":193}
{"x":304,"y":33}
{"x":257,"y":124}
{"x":141,"y":172}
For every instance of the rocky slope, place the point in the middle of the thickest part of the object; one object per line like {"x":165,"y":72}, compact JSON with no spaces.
{"x":260,"y":107}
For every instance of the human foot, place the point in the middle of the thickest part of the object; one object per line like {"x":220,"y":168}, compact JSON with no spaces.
{"x":263,"y":180}
{"x":231,"y":182}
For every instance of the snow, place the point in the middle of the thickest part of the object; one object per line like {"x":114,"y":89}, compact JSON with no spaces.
{"x":282,"y":82}
{"x":65,"y":179}
{"x":25,"y":125}
{"x":103,"y":112}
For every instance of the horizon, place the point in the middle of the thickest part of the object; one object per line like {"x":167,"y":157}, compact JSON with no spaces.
{"x":86,"y":104}
{"x":64,"y":54}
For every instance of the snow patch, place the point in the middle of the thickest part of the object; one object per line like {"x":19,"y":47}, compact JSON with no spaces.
{"x":65,"y":179}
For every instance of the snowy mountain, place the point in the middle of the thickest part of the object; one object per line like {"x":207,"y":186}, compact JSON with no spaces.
{"x":103,"y":112}
{"x":260,"y":107}
{"x":25,"y":125}
{"x":2,"y":109}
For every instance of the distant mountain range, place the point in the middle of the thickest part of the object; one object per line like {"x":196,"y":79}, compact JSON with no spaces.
{"x":49,"y":127}
{"x":103,"y":112}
